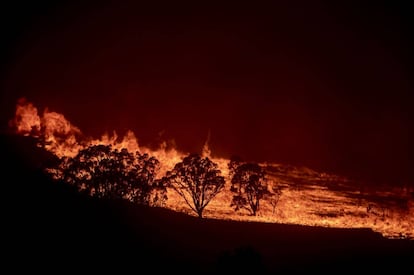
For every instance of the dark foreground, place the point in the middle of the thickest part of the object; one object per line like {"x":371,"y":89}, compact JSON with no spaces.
{"x":48,"y":227}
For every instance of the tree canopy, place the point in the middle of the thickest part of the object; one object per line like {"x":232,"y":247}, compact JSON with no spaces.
{"x":103,"y":172}
{"x":248,"y":184}
{"x":197,"y":180}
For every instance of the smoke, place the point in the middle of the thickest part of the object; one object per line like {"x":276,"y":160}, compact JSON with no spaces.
{"x":206,"y":152}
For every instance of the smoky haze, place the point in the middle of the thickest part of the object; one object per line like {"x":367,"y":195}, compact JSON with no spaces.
{"x":322,"y":85}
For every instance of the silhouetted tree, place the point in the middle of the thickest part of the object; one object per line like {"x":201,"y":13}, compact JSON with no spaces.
{"x":197,"y":180}
{"x":117,"y":174}
{"x":249,"y":186}
{"x":143,"y":173}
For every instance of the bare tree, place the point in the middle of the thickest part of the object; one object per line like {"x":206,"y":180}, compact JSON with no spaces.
{"x":274,"y":197}
{"x":197,"y":180}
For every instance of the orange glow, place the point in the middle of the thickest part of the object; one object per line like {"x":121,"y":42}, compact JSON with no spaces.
{"x":26,"y":120}
{"x":307,"y":197}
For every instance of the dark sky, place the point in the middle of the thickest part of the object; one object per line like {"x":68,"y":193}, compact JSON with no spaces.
{"x":312,"y":83}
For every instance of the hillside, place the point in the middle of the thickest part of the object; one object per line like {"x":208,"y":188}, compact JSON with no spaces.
{"x":50,"y":227}
{"x":301,"y":195}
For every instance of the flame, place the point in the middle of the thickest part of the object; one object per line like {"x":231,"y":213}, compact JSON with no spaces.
{"x":26,"y":120}
{"x":60,"y":135}
{"x":307,"y":197}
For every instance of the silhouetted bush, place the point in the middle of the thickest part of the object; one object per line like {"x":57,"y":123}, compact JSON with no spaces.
{"x":102,"y":172}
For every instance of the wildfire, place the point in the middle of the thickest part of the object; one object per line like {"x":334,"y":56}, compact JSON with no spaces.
{"x":307,"y":197}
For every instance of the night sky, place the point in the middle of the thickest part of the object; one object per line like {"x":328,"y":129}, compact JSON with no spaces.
{"x":312,"y":83}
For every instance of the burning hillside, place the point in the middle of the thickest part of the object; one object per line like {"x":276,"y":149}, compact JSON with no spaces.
{"x":299,"y":195}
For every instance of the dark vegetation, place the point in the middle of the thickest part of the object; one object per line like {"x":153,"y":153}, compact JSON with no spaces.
{"x":49,"y":226}
{"x":103,"y":172}
{"x":197,"y":180}
{"x":248,"y":184}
